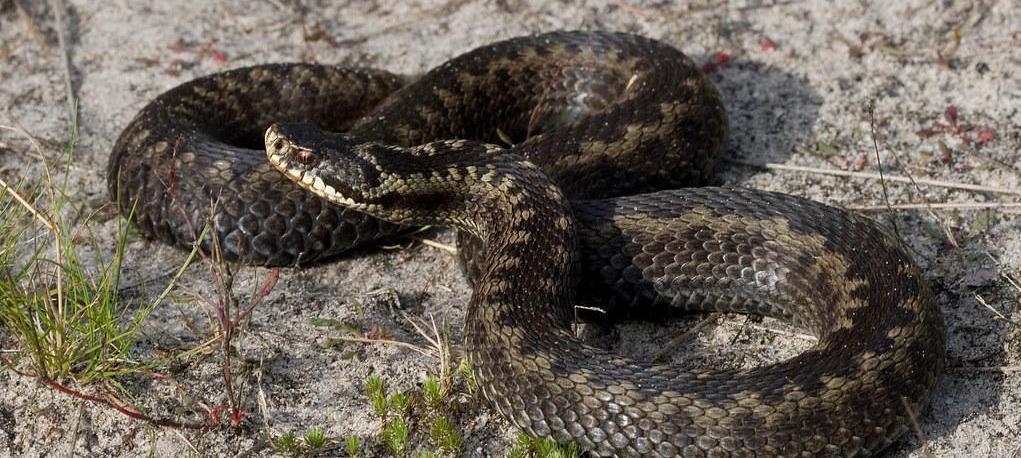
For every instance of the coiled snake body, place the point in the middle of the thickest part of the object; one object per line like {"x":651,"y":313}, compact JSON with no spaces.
{"x":598,"y":114}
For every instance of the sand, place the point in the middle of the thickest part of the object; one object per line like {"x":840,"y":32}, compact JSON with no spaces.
{"x":798,"y":78}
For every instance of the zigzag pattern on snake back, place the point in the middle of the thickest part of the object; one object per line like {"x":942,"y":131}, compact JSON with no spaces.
{"x":590,"y":115}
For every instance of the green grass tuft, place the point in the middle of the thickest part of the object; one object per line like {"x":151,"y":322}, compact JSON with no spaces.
{"x":433,"y":394}
{"x":395,"y":435}
{"x":59,"y":288}
{"x":353,"y":446}
{"x":287,"y":444}
{"x":315,"y":437}
{"x":445,"y":435}
{"x":545,"y":447}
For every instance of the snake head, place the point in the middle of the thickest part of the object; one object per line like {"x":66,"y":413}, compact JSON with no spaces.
{"x":330,"y":165}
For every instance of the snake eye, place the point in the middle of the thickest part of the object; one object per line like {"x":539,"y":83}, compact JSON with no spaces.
{"x":306,"y":156}
{"x":279,"y":144}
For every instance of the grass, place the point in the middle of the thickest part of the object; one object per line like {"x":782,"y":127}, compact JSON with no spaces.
{"x":353,"y":446}
{"x":313,"y":443}
{"x":403,"y":416}
{"x":60,"y":288}
{"x":528,"y":446}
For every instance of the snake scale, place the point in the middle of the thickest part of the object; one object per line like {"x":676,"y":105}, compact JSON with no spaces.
{"x":583,"y":207}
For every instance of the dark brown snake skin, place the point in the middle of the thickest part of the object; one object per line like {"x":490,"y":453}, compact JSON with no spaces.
{"x":600,"y":114}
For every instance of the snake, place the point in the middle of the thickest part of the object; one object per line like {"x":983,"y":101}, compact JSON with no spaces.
{"x":574,"y":166}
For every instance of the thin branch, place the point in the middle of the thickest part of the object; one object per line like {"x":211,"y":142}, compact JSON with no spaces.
{"x":875,"y":147}
{"x":937,"y":206}
{"x":398,"y":343}
{"x":1003,"y":273}
{"x":438,"y":245}
{"x":995,"y":312}
{"x":122,"y":408}
{"x":875,"y":176}
{"x":913,"y":419}
{"x":781,"y":332}
{"x":1001,"y":369}
{"x":673,"y":344}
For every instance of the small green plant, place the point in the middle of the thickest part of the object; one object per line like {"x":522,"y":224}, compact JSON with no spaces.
{"x":469,"y":377}
{"x":400,"y":403}
{"x":315,"y":437}
{"x":446,"y":436}
{"x":375,"y":389}
{"x":393,"y":412}
{"x":353,"y":446}
{"x":395,"y":434}
{"x":528,"y":446}
{"x":432,"y":394}
{"x":287,"y":444}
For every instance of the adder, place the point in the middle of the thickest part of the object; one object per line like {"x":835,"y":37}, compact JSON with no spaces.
{"x":557,"y":157}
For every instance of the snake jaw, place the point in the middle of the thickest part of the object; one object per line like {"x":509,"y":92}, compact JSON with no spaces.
{"x":310,"y":167}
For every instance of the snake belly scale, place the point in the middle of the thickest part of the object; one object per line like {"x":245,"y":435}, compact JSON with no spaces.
{"x":604,"y":125}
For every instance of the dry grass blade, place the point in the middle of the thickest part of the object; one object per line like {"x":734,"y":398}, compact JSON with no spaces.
{"x":781,"y":332}
{"x":875,"y":176}
{"x":434,"y":244}
{"x":673,"y":344}
{"x":999,"y":315}
{"x":38,"y":153}
{"x":938,"y":206}
{"x":416,"y":348}
{"x":59,"y":12}
{"x":1001,"y":369}
{"x":38,"y":214}
{"x":1006,"y":276}
{"x":913,"y":418}
{"x":947,"y":231}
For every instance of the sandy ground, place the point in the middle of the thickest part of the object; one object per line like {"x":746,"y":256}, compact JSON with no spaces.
{"x":798,"y":78}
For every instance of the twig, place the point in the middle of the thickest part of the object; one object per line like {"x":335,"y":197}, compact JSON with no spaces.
{"x":798,"y":335}
{"x":263,"y":405}
{"x":1001,"y":369}
{"x":439,"y":345}
{"x":438,"y":245}
{"x":875,"y":176}
{"x":398,"y":343}
{"x":913,"y":418}
{"x":122,"y":409}
{"x":673,"y":344}
{"x":995,"y":312}
{"x":875,"y":147}
{"x":575,"y":326}
{"x":949,"y":233}
{"x":937,"y":206}
{"x":187,"y":442}
{"x":1006,"y":276}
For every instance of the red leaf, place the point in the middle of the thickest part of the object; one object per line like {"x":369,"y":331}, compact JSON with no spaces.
{"x":951,"y":114}
{"x":985,"y":135}
{"x":718,"y":60}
